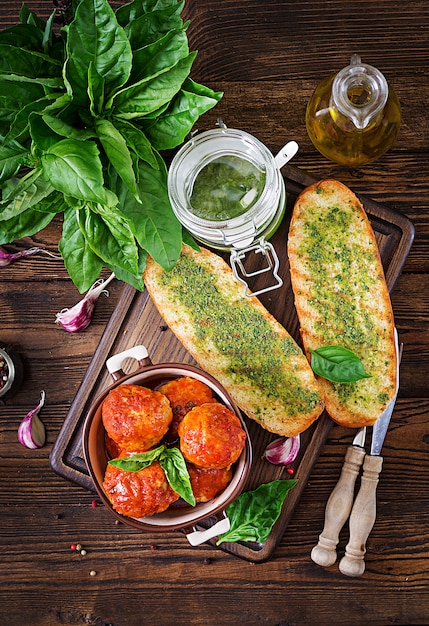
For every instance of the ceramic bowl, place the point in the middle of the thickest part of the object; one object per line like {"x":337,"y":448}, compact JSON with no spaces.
{"x":176,"y":517}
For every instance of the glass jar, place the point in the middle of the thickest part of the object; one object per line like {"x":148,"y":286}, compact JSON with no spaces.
{"x":354,"y":116}
{"x":11,"y":372}
{"x":227,"y":190}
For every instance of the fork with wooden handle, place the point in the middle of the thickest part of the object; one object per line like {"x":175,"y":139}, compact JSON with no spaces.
{"x":340,"y":503}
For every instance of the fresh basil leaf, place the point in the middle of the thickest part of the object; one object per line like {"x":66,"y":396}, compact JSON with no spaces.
{"x":96,"y":91}
{"x":137,"y":142}
{"x":188,"y":239}
{"x":117,"y":152}
{"x":145,"y":21}
{"x":174,"y":466}
{"x":22,"y":36}
{"x":253,"y":514}
{"x":146,"y":96}
{"x":19,"y":127}
{"x":135,"y":280}
{"x":12,"y":156}
{"x":28,"y":63}
{"x":23,"y":193}
{"x":138,"y":460}
{"x":153,"y":222}
{"x":75,"y":169}
{"x":109,"y":235}
{"x":82,"y":264}
{"x":172,"y":126}
{"x":160,"y":55}
{"x":42,"y":135}
{"x":24,"y":225}
{"x":337,"y":364}
{"x":94,"y":36}
{"x":63,"y":129}
{"x":13,"y":99}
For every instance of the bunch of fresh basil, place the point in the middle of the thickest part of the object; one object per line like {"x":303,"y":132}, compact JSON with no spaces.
{"x":83,"y":118}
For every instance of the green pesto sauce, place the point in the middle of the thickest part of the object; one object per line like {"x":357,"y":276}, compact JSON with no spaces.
{"x":226,"y":188}
{"x":253,"y":351}
{"x":333,"y":259}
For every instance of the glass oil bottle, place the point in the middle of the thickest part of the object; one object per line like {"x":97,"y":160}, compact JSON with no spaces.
{"x":354,"y":116}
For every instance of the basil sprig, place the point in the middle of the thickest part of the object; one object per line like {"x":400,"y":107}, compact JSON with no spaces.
{"x":253,"y":514}
{"x":84,"y":116}
{"x":337,"y":364}
{"x":171,"y":461}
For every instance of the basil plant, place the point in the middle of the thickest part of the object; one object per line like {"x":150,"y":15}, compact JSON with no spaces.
{"x":84,"y":117}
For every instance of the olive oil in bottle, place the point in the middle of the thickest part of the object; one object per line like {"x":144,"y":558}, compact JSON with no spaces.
{"x":353,"y":117}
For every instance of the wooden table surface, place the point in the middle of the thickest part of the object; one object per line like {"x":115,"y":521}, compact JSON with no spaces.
{"x":267,"y":57}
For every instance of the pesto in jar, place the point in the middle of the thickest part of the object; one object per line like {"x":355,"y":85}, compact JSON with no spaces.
{"x":226,"y":188}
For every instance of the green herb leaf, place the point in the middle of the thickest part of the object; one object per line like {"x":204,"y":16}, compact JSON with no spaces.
{"x":138,"y":460}
{"x":174,"y":466}
{"x":74,"y":168}
{"x":171,"y":127}
{"x":95,"y":37}
{"x":117,"y":152}
{"x":171,"y":461}
{"x":337,"y":364}
{"x":253,"y":514}
{"x":74,"y":110}
{"x":12,"y":156}
{"x":24,"y":225}
{"x":109,"y":235}
{"x":148,"y":95}
{"x":82,"y":264}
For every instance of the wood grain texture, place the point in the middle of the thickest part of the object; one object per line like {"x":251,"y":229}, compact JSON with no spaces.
{"x":267,"y":57}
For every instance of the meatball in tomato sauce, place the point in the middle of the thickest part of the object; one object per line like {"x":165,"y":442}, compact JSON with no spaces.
{"x":135,"y":417}
{"x":185,"y":393}
{"x":139,"y":494}
{"x":208,"y":483}
{"x":211,"y":436}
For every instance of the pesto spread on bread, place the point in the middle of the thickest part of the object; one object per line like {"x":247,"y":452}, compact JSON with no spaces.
{"x":342,"y":298}
{"x":235,"y":338}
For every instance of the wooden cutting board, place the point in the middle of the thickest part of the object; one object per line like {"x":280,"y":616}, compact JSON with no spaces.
{"x":136,"y":321}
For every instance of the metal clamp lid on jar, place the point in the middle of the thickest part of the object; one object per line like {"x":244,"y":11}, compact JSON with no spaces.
{"x":248,"y":231}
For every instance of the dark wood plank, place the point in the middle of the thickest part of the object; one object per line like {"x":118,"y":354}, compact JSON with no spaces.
{"x":267,"y":57}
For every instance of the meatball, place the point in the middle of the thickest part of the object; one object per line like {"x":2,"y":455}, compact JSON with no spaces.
{"x":139,"y":494}
{"x":211,"y":436}
{"x":185,"y":393}
{"x":135,"y":417}
{"x":113,"y":450}
{"x":208,"y":483}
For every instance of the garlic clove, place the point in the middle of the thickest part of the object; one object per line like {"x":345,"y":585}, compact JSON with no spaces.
{"x":31,"y":431}
{"x":283,"y":450}
{"x":80,"y":315}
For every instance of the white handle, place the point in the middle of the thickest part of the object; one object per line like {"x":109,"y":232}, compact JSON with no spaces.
{"x":286,"y":154}
{"x":199,"y":536}
{"x":114,"y":363}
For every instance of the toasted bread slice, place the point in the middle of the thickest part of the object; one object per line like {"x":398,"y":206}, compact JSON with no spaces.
{"x":341,"y":297}
{"x":234,"y":338}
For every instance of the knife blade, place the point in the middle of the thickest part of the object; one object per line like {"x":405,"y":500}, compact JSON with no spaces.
{"x":363,"y":514}
{"x":340,"y":503}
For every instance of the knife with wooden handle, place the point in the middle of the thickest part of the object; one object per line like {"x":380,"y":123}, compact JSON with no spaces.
{"x":363,"y":514}
{"x":340,"y":503}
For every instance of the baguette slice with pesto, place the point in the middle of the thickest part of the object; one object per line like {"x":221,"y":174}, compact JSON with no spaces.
{"x":236,"y":340}
{"x":341,"y":297}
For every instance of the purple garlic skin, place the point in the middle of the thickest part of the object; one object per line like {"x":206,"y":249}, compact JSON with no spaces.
{"x":282,"y":451}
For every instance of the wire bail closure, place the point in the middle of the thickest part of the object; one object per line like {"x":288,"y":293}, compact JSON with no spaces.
{"x":268,"y":252}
